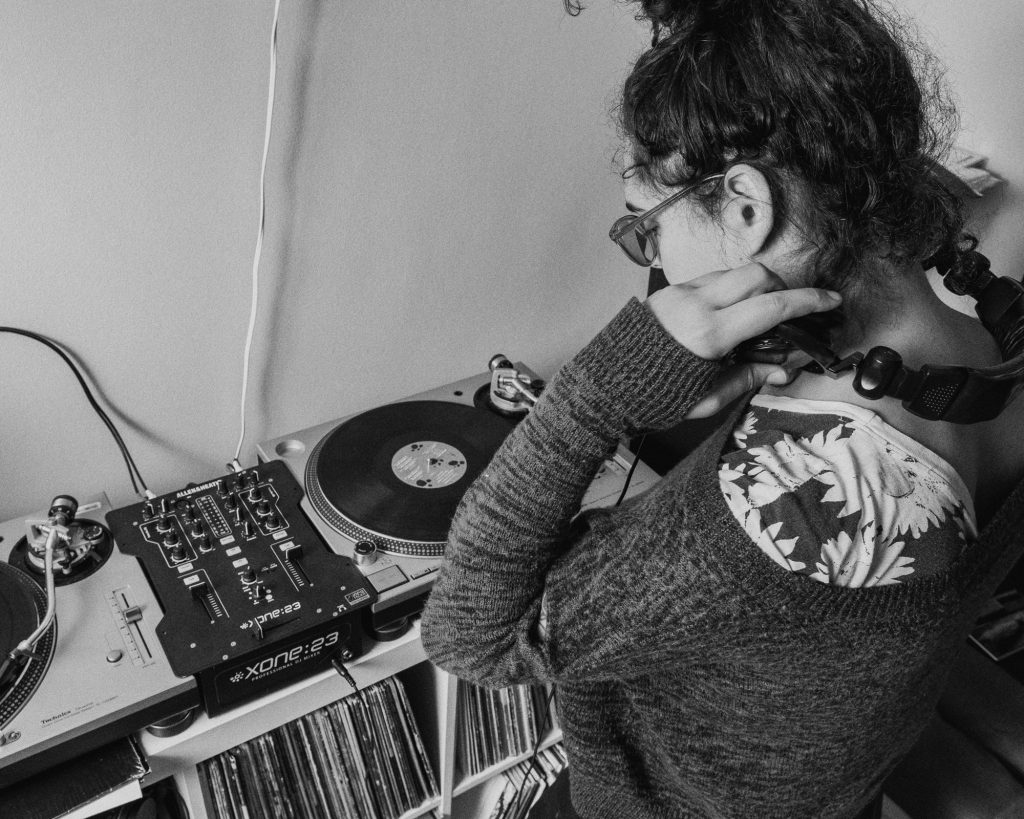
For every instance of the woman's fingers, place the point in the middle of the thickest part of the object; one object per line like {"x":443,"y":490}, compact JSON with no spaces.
{"x":762,"y":312}
{"x":714,"y":313}
{"x":724,"y":287}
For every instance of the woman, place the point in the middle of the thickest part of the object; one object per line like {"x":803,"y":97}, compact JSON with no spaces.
{"x":766,"y":631}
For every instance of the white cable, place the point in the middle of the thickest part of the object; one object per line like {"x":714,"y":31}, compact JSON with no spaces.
{"x":259,"y":235}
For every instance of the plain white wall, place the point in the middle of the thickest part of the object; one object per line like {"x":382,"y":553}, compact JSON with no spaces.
{"x":980,"y":45}
{"x":440,"y":186}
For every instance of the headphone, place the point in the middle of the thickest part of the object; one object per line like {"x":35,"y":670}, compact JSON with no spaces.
{"x":959,"y":395}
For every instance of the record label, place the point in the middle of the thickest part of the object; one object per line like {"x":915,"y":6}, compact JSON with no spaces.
{"x":428,"y":465}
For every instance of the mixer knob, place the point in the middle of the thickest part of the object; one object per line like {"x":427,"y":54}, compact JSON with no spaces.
{"x":196,"y":529}
{"x":365,"y":552}
{"x":163,"y":525}
{"x":222,"y":486}
{"x":247,"y":529}
{"x":273,"y":521}
{"x":249,"y":576}
{"x":148,"y":510}
{"x":165,"y":507}
{"x":256,"y":494}
{"x":204,"y":543}
{"x":178,"y":553}
{"x":231,"y":503}
{"x":171,"y":538}
{"x":263,"y":508}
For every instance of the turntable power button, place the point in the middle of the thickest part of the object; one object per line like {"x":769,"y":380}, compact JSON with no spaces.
{"x":365,"y":552}
{"x":115,"y":656}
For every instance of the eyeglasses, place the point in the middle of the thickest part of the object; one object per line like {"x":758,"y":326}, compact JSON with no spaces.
{"x":638,"y":242}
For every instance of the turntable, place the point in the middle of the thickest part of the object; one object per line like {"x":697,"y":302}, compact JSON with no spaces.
{"x":382,"y":485}
{"x":92,"y":673}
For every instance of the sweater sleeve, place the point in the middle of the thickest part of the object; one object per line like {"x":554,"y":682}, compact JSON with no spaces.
{"x":520,"y":516}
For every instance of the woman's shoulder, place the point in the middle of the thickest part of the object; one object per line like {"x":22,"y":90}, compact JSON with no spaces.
{"x":988,"y":456}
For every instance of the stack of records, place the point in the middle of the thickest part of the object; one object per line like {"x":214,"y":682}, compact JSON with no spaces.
{"x":526,"y":782}
{"x":497,"y":724}
{"x":359,"y":758}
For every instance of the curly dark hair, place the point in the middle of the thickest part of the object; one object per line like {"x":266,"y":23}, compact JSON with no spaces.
{"x":836,"y":97}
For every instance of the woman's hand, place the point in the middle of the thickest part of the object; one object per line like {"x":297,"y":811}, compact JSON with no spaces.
{"x":714,"y":313}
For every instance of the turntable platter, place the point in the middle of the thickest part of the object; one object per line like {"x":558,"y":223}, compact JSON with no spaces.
{"x":395,"y":474}
{"x":22,"y":607}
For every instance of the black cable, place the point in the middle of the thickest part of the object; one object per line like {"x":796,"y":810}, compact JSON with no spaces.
{"x":133,"y":470}
{"x":632,"y":468}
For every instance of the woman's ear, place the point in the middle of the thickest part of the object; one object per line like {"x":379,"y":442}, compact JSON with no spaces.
{"x":747,"y":212}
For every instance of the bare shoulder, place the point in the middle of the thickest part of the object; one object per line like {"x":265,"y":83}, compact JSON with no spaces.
{"x":988,"y":456}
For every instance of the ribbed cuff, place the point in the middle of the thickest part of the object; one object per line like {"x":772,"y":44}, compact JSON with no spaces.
{"x":636,"y":375}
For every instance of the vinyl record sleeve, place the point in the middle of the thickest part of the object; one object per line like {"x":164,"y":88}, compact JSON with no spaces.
{"x":373,"y":758}
{"x":397,"y":747}
{"x":304,"y":789}
{"x":384,"y":749}
{"x":418,"y":760}
{"x":425,"y":761}
{"x":234,"y":779}
{"x":215,"y":785}
{"x":356,"y":770}
{"x":305,"y":742}
{"x":328,"y":767}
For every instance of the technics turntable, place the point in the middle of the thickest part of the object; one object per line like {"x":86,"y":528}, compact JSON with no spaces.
{"x":80,"y":664}
{"x":382,"y":486}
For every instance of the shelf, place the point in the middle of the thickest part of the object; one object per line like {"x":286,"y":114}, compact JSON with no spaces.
{"x":470,"y":782}
{"x":209,"y":736}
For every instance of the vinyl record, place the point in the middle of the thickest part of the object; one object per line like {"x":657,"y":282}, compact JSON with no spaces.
{"x":397,"y":472}
{"x":22,"y":608}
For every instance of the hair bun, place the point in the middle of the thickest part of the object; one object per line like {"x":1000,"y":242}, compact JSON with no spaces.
{"x":674,"y":14}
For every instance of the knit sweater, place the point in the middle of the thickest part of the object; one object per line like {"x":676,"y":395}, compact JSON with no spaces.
{"x":694,"y":676}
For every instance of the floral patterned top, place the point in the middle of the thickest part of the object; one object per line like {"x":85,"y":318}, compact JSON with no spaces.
{"x":828,"y":489}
